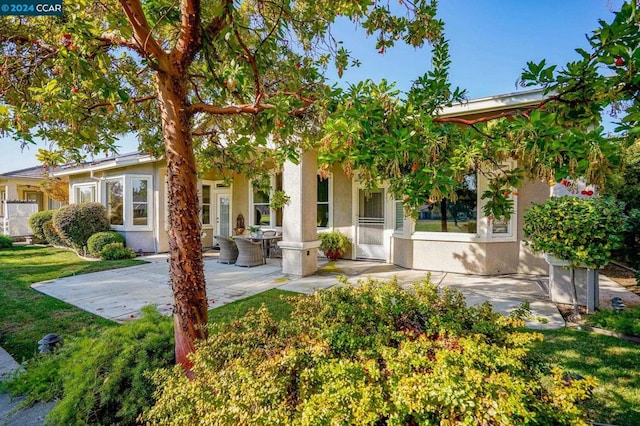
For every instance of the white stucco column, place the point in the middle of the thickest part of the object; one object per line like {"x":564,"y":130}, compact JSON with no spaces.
{"x":299,"y":234}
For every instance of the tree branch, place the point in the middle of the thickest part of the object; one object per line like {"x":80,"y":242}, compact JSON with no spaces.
{"x":190,"y":38}
{"x":132,"y":101}
{"x":228,"y":109}
{"x":142,"y":33}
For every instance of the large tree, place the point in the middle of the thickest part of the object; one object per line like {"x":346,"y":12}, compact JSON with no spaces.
{"x":228,"y":81}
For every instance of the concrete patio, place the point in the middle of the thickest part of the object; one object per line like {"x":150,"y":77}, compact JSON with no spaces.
{"x":120,"y":294}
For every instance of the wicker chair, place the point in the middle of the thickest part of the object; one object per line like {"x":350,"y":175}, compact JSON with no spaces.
{"x":228,"y":249}
{"x":249,"y":253}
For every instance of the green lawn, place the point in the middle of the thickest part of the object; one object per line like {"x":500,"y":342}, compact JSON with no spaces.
{"x":26,"y":315}
{"x":614,"y":362}
{"x":273,"y":299}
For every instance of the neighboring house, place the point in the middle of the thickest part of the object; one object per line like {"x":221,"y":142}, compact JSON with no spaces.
{"x":16,"y":188}
{"x":133,"y":188}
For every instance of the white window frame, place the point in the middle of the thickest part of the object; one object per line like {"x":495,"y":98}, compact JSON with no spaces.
{"x":484,"y":227}
{"x":272,"y":213}
{"x":127,"y":201}
{"x":211,"y":204}
{"x":329,"y":202}
{"x":75,"y":188}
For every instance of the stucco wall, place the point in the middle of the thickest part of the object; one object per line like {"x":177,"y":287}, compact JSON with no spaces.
{"x":481,"y":257}
{"x":342,"y":205}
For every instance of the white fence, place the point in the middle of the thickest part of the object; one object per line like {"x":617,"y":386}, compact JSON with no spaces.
{"x":15,"y":221}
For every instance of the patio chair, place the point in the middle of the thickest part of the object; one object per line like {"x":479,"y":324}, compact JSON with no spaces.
{"x":228,"y":249}
{"x":249,"y":253}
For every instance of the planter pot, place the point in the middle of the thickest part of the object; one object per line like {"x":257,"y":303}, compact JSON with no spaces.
{"x":561,"y":290}
{"x":554,"y":261}
{"x":332,"y":254}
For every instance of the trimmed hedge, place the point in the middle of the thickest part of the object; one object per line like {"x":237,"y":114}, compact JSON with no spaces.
{"x":51,"y":235}
{"x":37,"y":221}
{"x":77,"y":222}
{"x":117,"y":251}
{"x":99,"y":240}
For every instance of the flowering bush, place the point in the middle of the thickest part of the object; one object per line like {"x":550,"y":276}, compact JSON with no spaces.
{"x":584,"y":232}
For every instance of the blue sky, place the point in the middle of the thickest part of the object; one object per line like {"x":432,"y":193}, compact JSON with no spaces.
{"x":490,"y":42}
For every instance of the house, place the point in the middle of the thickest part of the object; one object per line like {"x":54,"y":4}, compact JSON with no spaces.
{"x":133,"y":189}
{"x":21,"y":196}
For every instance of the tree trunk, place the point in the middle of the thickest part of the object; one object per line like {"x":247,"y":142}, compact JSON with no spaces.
{"x":443,"y":215}
{"x":186,"y":267}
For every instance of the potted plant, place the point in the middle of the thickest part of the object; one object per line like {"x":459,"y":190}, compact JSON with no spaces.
{"x":580,"y":233}
{"x":333,"y":244}
{"x":254,"y":231}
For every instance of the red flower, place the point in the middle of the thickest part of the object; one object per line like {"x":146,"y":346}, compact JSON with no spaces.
{"x":619,"y":61}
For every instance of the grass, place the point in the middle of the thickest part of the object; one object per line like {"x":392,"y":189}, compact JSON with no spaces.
{"x":612,"y":361}
{"x":279,"y":307}
{"x":27,"y":315}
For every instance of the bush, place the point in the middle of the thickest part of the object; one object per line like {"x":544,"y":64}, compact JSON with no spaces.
{"x":77,"y":222}
{"x":116,"y":251}
{"x":52,"y":236}
{"x":333,"y":244}
{"x":372,"y":354}
{"x":631,"y":235}
{"x":99,"y":240}
{"x":101,"y":379}
{"x":37,"y":221}
{"x":625,"y":322}
{"x":6,"y":241}
{"x":583,"y":231}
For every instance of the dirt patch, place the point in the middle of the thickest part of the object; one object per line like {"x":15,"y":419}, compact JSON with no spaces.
{"x":623,"y":276}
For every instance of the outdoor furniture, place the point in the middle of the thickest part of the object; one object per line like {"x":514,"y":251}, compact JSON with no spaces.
{"x":270,"y":240}
{"x":228,"y":249}
{"x":249,"y":253}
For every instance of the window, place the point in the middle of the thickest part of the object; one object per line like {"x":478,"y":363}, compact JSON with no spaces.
{"x":459,"y":215}
{"x":263,"y":215}
{"x":128,"y":201}
{"x":323,"y":203}
{"x":399,"y":218}
{"x":85,"y":193}
{"x":140,"y":198}
{"x":115,"y":202}
{"x":206,"y":204}
{"x":3,"y":196}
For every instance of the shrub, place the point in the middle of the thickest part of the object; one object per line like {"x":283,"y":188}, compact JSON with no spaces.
{"x":37,"y":220}
{"x":625,"y":322}
{"x":77,"y":222}
{"x":116,"y":251}
{"x":52,"y":236}
{"x":631,"y":246}
{"x":99,"y":240}
{"x":6,"y":241}
{"x":371,"y":354}
{"x":582,"y":231}
{"x":101,"y":379}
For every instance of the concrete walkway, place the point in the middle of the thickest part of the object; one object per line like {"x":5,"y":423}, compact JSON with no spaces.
{"x":120,"y":294}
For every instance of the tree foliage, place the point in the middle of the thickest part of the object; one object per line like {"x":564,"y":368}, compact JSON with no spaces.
{"x":382,"y":135}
